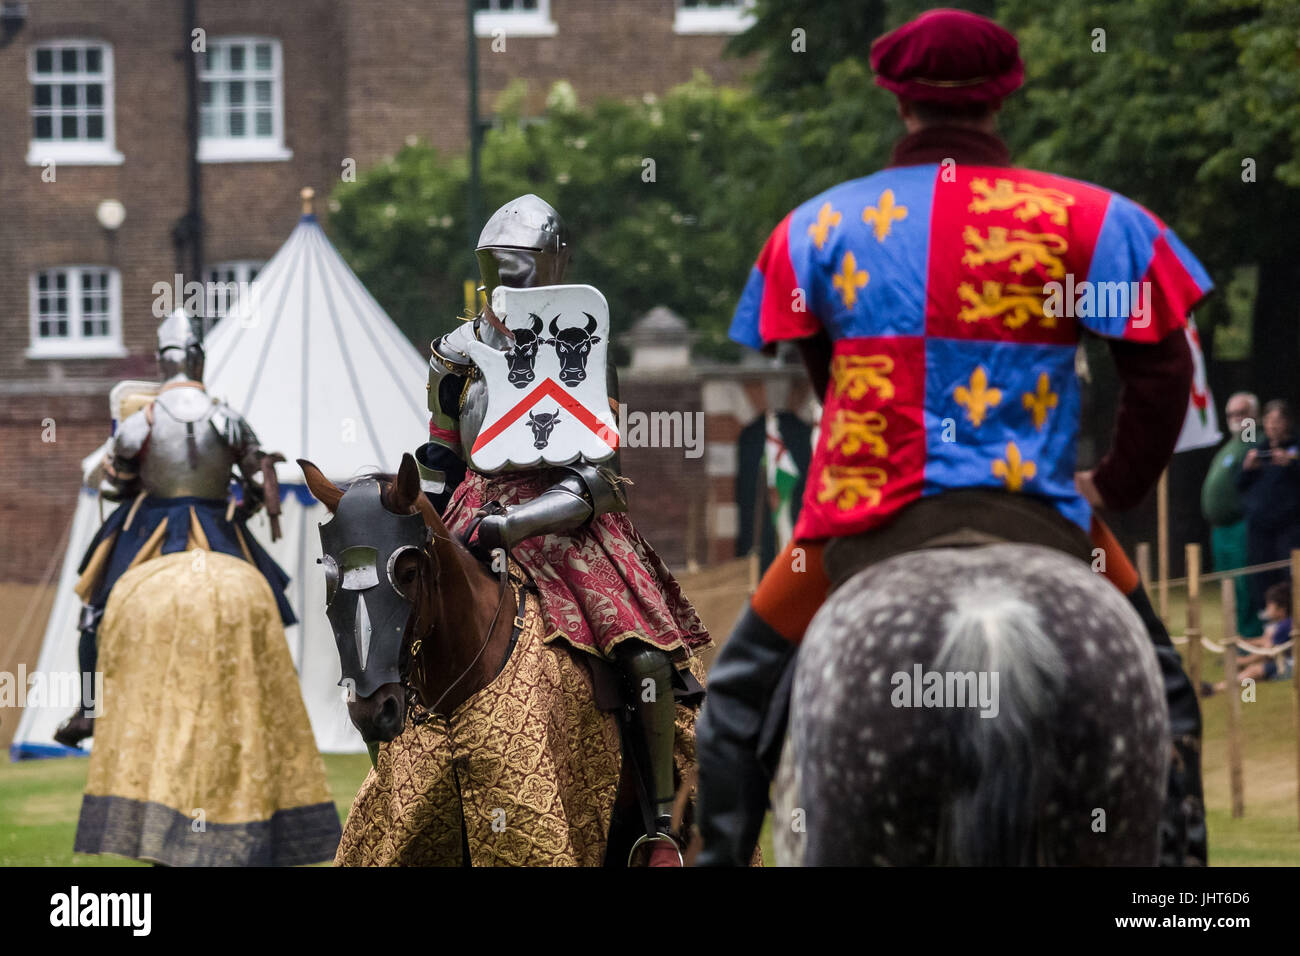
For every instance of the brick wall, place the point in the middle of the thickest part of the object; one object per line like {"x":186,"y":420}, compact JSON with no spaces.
{"x":607,"y":49}
{"x":666,"y":498}
{"x":40,"y":478}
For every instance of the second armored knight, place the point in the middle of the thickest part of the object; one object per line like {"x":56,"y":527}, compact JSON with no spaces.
{"x":169,"y":463}
{"x":605,"y":590}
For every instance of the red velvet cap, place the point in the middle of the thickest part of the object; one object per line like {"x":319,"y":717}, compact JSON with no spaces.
{"x":948,"y":56}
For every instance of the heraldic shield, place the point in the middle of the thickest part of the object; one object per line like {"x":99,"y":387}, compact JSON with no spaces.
{"x":547,"y":396}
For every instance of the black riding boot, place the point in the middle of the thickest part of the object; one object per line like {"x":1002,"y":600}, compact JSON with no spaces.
{"x":648,"y":682}
{"x":744,"y":687}
{"x":1182,"y":827}
{"x":81,"y":725}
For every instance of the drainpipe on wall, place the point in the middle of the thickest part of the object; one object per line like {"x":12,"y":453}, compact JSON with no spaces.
{"x":473,"y":218}
{"x":187,"y":234}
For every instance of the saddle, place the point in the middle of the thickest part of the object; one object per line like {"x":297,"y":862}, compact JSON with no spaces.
{"x":962,"y":518}
{"x":965,"y":517}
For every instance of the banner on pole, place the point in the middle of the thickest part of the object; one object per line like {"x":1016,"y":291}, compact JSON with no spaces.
{"x":1201,"y":426}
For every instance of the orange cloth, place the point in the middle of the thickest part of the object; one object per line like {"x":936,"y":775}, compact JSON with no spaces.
{"x":1118,"y":568}
{"x":792,"y":590}
{"x":795,"y":585}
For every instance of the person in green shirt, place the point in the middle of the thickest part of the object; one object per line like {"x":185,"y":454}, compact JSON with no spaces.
{"x":1221,"y":506}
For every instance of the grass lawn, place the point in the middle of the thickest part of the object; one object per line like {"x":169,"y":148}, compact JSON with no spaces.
{"x":40,"y":800}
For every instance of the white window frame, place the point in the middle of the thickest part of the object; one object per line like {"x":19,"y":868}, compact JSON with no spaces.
{"x":516,"y":23}
{"x":76,"y":345}
{"x":79,"y":152}
{"x":714,"y":21}
{"x":243,"y":270}
{"x":249,"y":149}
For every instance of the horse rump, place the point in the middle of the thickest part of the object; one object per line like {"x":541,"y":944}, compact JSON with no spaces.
{"x":986,"y":706}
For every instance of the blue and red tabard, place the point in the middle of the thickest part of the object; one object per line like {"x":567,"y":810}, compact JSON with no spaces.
{"x":954,"y":296}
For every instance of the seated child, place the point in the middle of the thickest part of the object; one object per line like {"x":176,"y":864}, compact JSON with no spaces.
{"x":1277,"y":612}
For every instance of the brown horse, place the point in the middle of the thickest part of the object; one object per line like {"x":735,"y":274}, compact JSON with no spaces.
{"x":477,"y":716}
{"x":452,"y":595}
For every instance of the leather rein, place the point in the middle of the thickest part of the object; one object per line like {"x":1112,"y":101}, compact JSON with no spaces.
{"x":505,"y":583}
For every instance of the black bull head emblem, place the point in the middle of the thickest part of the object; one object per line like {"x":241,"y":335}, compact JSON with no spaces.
{"x":541,"y":426}
{"x":572,"y":346}
{"x":522,"y":358}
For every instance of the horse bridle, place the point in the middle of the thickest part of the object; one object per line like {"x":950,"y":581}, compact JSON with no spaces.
{"x":505,"y":583}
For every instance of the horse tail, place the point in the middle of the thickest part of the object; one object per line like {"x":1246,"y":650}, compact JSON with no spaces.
{"x":1002,"y":751}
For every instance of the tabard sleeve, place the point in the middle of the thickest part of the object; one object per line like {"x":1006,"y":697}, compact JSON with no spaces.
{"x":773,"y":306}
{"x":1139,"y":260}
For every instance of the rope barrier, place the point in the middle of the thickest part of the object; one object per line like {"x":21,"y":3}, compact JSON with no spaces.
{"x":1213,"y":648}
{"x":1231,"y":573}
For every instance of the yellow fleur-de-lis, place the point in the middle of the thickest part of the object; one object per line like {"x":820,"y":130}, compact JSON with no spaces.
{"x":883,"y":214}
{"x":1038,"y":402}
{"x":850,"y":279}
{"x":827,"y":219}
{"x":976,"y":397}
{"x":1013,"y":470}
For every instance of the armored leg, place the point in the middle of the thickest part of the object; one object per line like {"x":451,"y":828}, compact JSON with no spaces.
{"x":647,"y":674}
{"x":733,"y":783}
{"x":80,"y":725}
{"x":1182,"y":827}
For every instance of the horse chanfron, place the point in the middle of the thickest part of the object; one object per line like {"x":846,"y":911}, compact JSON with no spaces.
{"x":373,"y":553}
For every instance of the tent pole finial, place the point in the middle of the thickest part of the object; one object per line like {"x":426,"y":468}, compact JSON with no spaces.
{"x":307,"y":194}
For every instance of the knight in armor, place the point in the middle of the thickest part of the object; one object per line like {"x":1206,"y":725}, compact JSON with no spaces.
{"x":605,"y":590}
{"x":169,"y":465}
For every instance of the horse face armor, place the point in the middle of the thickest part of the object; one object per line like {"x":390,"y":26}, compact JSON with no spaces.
{"x":360,"y":546}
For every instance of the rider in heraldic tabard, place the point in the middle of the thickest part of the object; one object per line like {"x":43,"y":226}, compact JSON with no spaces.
{"x":951,"y":399}
{"x":523,"y":457}
{"x":169,"y":464}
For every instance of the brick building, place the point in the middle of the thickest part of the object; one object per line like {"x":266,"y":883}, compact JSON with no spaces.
{"x":94,"y":165}
{"x":692,"y":433}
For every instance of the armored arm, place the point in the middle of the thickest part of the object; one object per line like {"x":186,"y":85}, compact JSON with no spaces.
{"x":252,"y":462}
{"x":441,"y":460}
{"x":246,"y":451}
{"x":449,"y":368}
{"x":582,"y":494}
{"x":122,"y":461}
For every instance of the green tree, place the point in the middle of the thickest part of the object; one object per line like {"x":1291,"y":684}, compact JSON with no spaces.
{"x":1183,"y":94}
{"x":668,"y":201}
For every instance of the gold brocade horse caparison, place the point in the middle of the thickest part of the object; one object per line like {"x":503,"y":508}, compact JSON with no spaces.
{"x":528,"y":766}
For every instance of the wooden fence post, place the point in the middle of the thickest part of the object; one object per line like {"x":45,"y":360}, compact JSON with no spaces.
{"x":1233,"y":687}
{"x":1162,"y":543}
{"x":1144,"y":564}
{"x":1194,"y":615}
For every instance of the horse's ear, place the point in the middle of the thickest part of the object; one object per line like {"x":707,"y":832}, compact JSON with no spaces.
{"x":406,"y":489}
{"x":325,"y":491}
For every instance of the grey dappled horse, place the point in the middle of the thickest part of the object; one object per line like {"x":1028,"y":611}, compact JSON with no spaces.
{"x":1069,"y":766}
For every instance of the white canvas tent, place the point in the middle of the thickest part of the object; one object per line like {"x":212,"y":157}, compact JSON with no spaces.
{"x":318,"y":369}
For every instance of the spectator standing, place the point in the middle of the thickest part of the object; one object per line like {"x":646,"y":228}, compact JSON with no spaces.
{"x":1270,"y":495}
{"x":1222,"y":508}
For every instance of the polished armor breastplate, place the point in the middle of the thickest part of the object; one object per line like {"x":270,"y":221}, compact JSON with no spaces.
{"x":186,"y":455}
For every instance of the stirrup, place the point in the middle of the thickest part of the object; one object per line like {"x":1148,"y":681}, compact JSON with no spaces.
{"x":661,"y":837}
